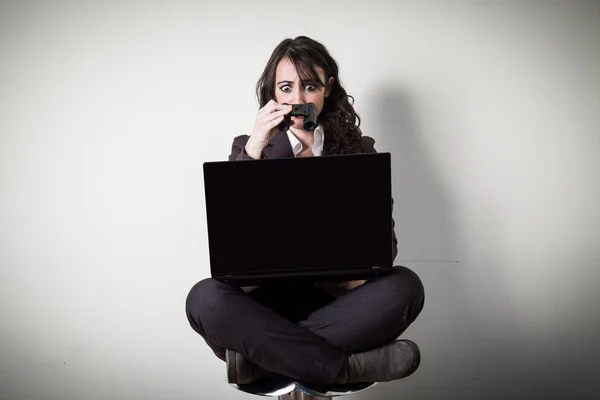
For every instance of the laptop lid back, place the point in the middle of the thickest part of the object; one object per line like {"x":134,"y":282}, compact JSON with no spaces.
{"x":299,"y":214}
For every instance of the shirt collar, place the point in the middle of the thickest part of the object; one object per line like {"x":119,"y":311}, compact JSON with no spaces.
{"x":317,"y":145}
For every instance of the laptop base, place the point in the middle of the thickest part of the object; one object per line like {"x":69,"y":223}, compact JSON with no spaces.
{"x":258,"y":279}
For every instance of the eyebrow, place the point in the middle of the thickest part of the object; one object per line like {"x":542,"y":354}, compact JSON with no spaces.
{"x":309,"y":81}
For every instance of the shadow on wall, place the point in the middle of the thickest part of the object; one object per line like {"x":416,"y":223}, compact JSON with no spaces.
{"x":471,"y":342}
{"x":427,"y":243}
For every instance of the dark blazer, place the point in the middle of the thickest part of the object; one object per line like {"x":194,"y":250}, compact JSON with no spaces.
{"x":280,"y":147}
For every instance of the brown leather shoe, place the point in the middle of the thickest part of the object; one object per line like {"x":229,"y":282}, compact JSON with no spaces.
{"x":392,"y":361}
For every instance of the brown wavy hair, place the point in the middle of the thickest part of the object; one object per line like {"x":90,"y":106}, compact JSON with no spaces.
{"x":340,"y":121}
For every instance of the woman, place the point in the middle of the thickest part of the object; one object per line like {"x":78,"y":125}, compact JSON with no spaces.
{"x":319,"y":333}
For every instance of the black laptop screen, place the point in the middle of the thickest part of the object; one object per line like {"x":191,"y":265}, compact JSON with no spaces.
{"x":298,"y":214}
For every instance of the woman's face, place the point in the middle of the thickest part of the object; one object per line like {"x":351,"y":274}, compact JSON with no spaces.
{"x":291,"y":90}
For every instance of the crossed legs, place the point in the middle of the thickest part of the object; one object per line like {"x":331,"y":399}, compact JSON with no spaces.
{"x":300,"y":331}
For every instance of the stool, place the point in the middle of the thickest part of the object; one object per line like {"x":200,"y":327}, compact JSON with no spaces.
{"x":289,"y":389}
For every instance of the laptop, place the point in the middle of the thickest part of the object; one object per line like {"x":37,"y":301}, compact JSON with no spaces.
{"x":326,"y":218}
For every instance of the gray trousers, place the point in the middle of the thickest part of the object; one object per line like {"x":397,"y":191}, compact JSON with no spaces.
{"x":300,"y":331}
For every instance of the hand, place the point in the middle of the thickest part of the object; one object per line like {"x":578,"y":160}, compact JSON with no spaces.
{"x":354,"y":284}
{"x":267,"y":118}
{"x":337,"y":289}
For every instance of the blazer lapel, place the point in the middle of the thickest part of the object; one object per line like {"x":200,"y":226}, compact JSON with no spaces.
{"x":279,"y":146}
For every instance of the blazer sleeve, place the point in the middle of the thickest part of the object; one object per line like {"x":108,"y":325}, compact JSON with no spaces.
{"x":369,"y":147}
{"x":238,"y":149}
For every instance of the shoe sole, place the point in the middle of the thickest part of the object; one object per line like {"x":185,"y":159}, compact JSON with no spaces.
{"x":417,"y":354}
{"x":231,"y":366}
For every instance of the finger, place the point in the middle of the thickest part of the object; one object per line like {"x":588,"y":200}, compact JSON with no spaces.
{"x":266,"y":109}
{"x":272,"y":124}
{"x":277,"y":120}
{"x":276,"y":114}
{"x":271,"y":105}
{"x":278,"y":107}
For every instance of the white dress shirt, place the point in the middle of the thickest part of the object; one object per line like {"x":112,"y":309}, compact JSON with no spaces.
{"x":317,"y":148}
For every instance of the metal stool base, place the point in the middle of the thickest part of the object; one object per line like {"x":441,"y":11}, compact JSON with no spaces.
{"x":287,"y":389}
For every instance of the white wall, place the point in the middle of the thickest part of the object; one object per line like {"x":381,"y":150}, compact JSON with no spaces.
{"x":109,"y":109}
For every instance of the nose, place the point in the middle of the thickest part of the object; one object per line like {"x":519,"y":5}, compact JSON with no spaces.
{"x":298,"y":97}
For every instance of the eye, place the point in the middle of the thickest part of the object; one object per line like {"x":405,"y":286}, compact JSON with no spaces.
{"x":285,"y":88}
{"x":310,"y":88}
